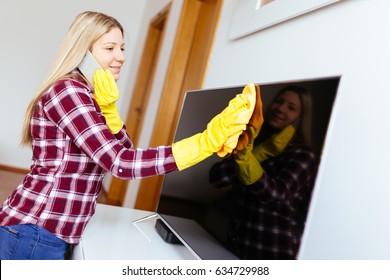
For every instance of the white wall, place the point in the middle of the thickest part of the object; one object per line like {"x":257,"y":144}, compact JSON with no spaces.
{"x":350,"y":205}
{"x":31,"y":33}
{"x":349,"y":217}
{"x":151,"y":10}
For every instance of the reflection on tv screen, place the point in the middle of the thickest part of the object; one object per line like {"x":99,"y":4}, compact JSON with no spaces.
{"x":235,"y":208}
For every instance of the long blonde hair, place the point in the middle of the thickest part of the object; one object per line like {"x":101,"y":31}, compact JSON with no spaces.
{"x":85,"y":30}
{"x":304,"y":128}
{"x":306,"y":116}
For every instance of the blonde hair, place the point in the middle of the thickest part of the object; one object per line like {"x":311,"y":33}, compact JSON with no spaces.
{"x":85,"y":30}
{"x":304,"y":128}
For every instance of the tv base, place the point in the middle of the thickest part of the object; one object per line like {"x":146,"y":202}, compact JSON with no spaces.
{"x":166,"y":234}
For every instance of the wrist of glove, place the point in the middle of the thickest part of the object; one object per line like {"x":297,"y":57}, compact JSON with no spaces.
{"x":274,"y":145}
{"x":196,"y":148}
{"x":245,"y":142}
{"x":113,"y":120}
{"x":248,"y":160}
{"x":106,"y":93}
{"x":248,"y":168}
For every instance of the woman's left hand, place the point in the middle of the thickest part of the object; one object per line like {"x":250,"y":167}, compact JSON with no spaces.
{"x":106,"y":94}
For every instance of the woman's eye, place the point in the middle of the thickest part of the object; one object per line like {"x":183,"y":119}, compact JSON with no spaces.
{"x":292,"y":108}
{"x":278,"y":101}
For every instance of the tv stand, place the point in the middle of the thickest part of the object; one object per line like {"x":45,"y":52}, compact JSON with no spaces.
{"x":117,"y":233}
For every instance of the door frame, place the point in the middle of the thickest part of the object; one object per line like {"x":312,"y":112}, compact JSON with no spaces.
{"x":140,"y":96}
{"x":186,"y":71}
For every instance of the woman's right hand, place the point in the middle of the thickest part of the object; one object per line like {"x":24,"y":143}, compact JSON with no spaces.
{"x":255,"y":123}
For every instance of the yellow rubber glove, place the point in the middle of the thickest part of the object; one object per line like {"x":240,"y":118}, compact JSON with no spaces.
{"x":248,"y":167}
{"x":256,"y":121}
{"x":248,"y":161}
{"x":106,"y":94}
{"x":249,"y":93}
{"x":274,"y":145}
{"x":198,"y":147}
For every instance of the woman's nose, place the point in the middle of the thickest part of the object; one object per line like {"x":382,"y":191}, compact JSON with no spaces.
{"x":281,"y":108}
{"x":120,"y":56}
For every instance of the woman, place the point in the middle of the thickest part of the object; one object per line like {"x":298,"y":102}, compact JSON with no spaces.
{"x":77,"y":137}
{"x":272,"y":179}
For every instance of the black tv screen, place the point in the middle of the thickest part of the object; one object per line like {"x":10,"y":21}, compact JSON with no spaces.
{"x":194,"y":209}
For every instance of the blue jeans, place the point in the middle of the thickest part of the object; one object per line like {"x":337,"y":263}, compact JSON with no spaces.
{"x":30,"y":242}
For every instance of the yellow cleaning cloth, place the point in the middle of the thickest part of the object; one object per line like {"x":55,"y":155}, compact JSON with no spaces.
{"x":249,"y":95}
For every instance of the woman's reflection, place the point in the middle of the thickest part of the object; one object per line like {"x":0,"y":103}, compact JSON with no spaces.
{"x":272,"y":178}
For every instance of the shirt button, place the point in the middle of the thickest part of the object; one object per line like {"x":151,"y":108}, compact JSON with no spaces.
{"x":120,"y":170}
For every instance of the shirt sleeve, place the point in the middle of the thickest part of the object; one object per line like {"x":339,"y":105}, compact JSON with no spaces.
{"x":124,"y":138}
{"x":223,"y":174}
{"x":285,"y":176}
{"x":72,"y":108}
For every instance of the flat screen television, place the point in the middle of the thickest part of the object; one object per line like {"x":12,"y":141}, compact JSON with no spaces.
{"x":189,"y":205}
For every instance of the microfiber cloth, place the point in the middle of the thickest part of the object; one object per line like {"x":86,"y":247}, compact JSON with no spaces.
{"x":249,"y":94}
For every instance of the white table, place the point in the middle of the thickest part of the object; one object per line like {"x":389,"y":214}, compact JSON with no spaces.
{"x":117,"y":233}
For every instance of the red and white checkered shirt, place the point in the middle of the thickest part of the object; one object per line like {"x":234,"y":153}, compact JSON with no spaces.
{"x":72,"y":150}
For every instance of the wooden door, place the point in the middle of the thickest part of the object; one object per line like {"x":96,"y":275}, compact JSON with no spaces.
{"x":187,"y":68}
{"x":140,"y":96}
{"x":186,"y":71}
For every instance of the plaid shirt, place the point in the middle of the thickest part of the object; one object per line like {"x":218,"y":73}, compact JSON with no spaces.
{"x":72,"y":150}
{"x":268,"y":216}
